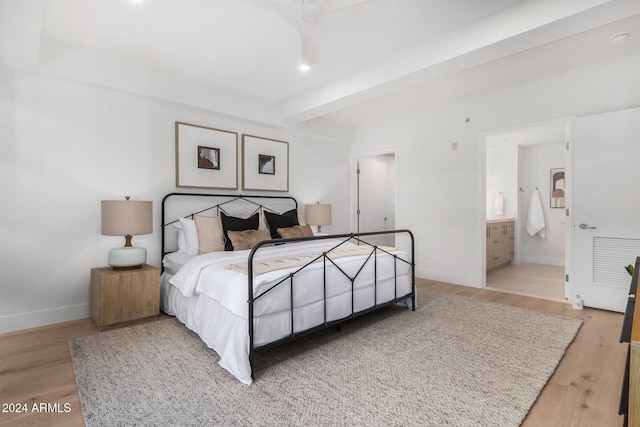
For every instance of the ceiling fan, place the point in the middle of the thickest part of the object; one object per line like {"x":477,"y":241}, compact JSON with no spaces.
{"x":304,"y":15}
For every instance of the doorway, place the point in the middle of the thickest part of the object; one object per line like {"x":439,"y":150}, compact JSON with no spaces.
{"x":375,"y":191}
{"x":522,"y":170}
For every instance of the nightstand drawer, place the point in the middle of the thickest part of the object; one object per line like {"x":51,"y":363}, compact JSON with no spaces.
{"x":123,"y":295}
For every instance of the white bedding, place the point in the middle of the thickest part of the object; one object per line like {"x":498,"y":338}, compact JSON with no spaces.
{"x":212,"y":300}
{"x":172,"y":262}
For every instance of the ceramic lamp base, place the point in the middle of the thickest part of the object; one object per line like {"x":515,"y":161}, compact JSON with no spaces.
{"x":126,"y":258}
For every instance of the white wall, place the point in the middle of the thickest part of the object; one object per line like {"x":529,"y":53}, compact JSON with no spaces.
{"x":66,"y":146}
{"x":441,"y":192}
{"x":538,"y":160}
{"x":502,"y":176}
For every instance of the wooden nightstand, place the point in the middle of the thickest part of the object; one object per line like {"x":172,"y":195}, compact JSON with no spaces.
{"x":119,"y":296}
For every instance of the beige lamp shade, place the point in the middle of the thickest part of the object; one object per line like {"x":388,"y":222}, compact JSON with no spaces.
{"x":318,"y":215}
{"x":127,"y":218}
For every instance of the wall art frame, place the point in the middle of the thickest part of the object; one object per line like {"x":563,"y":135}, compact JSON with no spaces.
{"x":265,"y":164}
{"x":558,"y":186}
{"x":206,"y":157}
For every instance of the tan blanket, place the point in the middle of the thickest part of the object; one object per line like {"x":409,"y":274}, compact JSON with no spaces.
{"x":267,"y":265}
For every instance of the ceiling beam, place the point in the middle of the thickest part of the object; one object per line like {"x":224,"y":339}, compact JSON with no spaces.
{"x":516,"y":29}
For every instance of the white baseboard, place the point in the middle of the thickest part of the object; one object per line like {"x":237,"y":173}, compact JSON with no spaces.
{"x":16,"y":322}
{"x":448,"y":277}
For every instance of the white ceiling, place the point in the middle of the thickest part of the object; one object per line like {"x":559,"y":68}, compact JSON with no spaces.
{"x":241,"y":57}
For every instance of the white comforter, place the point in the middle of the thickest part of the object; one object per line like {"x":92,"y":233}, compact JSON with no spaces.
{"x":206,"y":274}
{"x":226,"y":293}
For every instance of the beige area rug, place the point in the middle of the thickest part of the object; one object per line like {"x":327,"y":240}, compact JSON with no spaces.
{"x":455,"y":361}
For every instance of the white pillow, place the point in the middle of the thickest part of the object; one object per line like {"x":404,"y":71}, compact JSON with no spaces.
{"x":182,"y":240}
{"x":190,"y":233}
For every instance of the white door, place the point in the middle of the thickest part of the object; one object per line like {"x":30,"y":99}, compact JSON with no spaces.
{"x":605,"y":207}
{"x":376,"y":196}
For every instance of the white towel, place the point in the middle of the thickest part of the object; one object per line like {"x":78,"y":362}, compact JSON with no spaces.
{"x":500,"y":204}
{"x":535,"y":217}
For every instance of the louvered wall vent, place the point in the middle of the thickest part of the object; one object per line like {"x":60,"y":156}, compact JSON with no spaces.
{"x":610,"y":256}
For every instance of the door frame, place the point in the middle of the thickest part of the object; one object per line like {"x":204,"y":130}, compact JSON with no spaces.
{"x":353,"y":185}
{"x":568,"y":123}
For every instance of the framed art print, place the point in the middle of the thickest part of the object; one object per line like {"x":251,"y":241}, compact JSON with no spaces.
{"x":557,"y":182}
{"x":206,"y":157}
{"x":265,"y":164}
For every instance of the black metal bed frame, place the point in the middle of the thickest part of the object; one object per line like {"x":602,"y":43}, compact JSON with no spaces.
{"x":218,"y":207}
{"x":324,"y":258}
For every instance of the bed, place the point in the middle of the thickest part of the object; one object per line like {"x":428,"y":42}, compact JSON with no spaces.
{"x":245,"y":273}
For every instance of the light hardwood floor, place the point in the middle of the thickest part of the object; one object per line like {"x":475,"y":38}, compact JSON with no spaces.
{"x":35,"y":367}
{"x":537,"y":280}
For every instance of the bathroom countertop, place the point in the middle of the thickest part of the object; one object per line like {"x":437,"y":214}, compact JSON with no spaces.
{"x":499,"y":219}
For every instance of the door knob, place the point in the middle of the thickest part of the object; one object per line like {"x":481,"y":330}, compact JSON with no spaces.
{"x":584,"y":226}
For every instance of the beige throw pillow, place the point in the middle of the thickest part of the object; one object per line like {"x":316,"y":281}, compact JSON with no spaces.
{"x":247,"y":239}
{"x":295,"y":231}
{"x":210,"y":234}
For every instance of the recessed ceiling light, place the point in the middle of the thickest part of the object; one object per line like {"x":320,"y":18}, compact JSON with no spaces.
{"x":620,"y":37}
{"x":304,"y":67}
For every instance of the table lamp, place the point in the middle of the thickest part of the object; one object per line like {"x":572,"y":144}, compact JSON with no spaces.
{"x":318,"y":215}
{"x":127,"y":218}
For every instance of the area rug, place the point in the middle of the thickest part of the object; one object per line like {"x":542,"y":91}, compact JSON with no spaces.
{"x":455,"y":361}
